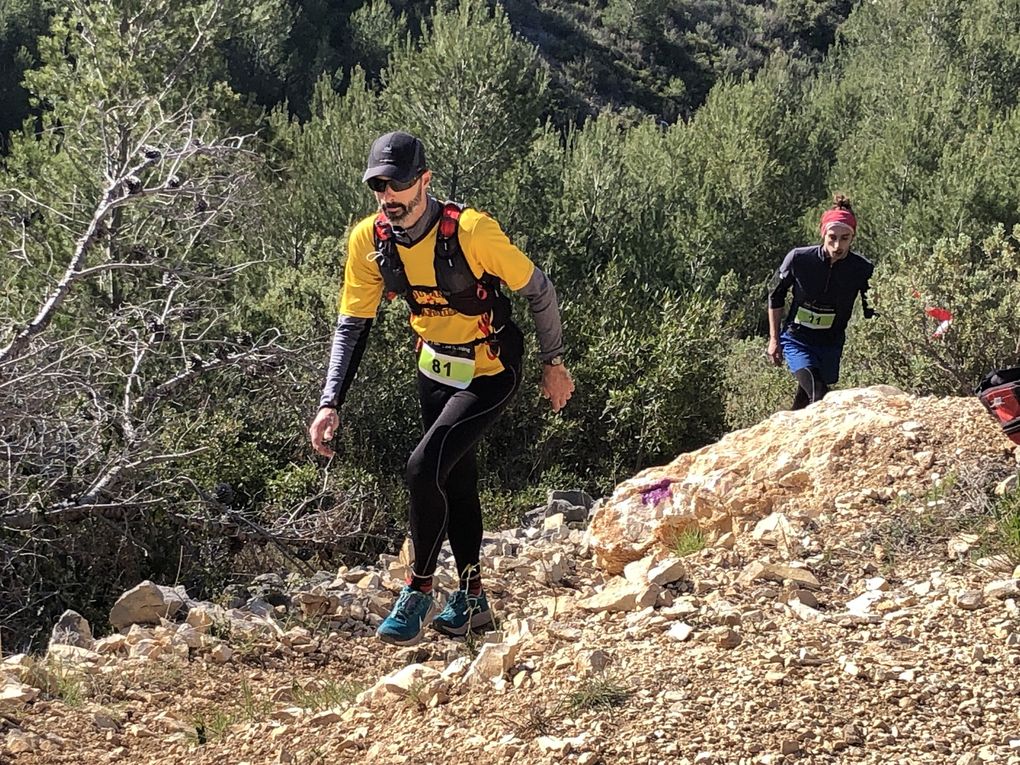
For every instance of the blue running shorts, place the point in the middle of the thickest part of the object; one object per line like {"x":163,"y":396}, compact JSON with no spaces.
{"x":801,"y":355}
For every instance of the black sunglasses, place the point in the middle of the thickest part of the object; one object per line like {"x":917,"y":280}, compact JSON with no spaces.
{"x":379,"y":185}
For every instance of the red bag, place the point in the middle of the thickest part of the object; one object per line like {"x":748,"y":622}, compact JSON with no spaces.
{"x":1000,"y":393}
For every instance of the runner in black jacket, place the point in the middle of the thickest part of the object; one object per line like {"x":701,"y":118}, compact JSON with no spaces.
{"x":826,"y":279}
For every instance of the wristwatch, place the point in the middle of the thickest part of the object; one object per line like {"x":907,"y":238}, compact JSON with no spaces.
{"x":555,"y":361}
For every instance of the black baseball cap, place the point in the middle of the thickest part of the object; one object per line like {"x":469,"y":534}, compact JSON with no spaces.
{"x":396,"y":155}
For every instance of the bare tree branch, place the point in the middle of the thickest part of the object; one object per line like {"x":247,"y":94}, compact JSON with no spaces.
{"x":199,"y":366}
{"x":126,"y":189}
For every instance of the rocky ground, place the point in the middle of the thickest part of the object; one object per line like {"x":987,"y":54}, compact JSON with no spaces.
{"x":830,"y":586}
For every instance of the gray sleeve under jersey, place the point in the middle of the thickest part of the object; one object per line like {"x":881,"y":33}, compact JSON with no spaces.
{"x":541,"y":297}
{"x":349,"y":341}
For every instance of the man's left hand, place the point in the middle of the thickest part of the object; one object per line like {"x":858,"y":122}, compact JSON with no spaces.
{"x":557,"y":385}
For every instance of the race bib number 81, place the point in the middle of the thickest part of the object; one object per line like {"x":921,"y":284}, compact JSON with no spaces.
{"x":450,"y":370}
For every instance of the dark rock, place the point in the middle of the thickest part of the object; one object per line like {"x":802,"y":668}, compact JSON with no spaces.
{"x":72,"y":629}
{"x":577,"y":497}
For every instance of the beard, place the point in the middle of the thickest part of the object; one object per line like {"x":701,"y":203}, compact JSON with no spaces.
{"x":398,"y":213}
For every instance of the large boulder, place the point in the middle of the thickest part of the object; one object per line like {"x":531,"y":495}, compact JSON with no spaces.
{"x":802,"y":464}
{"x":146,"y":603}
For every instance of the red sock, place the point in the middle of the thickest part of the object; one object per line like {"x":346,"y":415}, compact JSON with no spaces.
{"x":420,"y":583}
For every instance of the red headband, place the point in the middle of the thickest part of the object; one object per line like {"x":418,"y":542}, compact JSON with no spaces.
{"x":839,"y":215}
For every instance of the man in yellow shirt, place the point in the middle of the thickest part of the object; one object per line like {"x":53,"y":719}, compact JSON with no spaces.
{"x":449,"y":264}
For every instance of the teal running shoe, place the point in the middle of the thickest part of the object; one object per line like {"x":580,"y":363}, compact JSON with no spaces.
{"x":463,"y":612}
{"x":410,"y":612}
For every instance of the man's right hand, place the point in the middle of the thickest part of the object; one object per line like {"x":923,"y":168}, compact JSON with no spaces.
{"x":322,"y":429}
{"x":557,"y":385}
{"x":774,"y":352}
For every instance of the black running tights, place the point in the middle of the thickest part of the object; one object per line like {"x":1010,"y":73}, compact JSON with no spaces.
{"x":442,"y":474}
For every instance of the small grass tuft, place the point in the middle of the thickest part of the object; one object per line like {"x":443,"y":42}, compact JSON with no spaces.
{"x":475,"y":639}
{"x":69,"y":686}
{"x":597,"y":692}
{"x":68,"y":683}
{"x":418,"y":695}
{"x":537,"y":721}
{"x":253,"y":709}
{"x":325,"y":695}
{"x":910,"y":532}
{"x":688,"y":542}
{"x":214,"y":724}
{"x":211,"y":725}
{"x":940,"y":490}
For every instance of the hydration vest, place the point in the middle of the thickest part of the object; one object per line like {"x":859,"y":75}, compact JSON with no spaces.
{"x":464,"y":292}
{"x":1000,"y":393}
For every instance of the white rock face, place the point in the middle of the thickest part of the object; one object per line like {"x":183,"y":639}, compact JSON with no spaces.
{"x":17,"y":694}
{"x":788,"y":467}
{"x":72,"y":655}
{"x":145,"y":603}
{"x":401,"y":682}
{"x":666,"y":571}
{"x":1002,"y":589}
{"x":619,"y":595}
{"x":776,"y":529}
{"x":492,"y":662}
{"x":203,"y":616}
{"x":221,"y":654}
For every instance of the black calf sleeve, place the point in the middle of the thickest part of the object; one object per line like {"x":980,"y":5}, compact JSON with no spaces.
{"x":801,"y":399}
{"x":811,"y":385}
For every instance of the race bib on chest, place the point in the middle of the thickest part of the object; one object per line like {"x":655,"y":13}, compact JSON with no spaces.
{"x":455,"y":371}
{"x":815,"y":318}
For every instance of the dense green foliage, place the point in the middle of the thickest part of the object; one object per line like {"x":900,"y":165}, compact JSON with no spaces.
{"x":21,"y":23}
{"x":641,"y":57}
{"x":656,"y":160}
{"x":662,"y":57}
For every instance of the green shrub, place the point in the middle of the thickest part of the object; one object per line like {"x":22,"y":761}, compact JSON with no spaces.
{"x":753,"y":388}
{"x":292,"y":484}
{"x":1007,"y":514}
{"x":979,"y":282}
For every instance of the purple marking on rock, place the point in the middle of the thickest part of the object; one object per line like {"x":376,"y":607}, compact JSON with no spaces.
{"x":656,"y":492}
